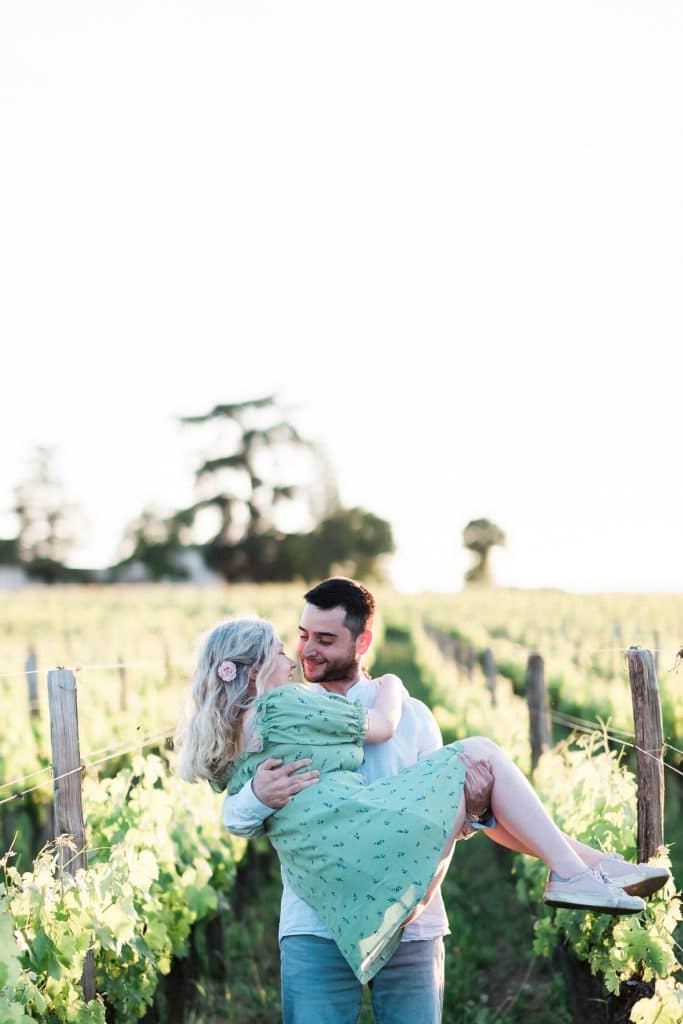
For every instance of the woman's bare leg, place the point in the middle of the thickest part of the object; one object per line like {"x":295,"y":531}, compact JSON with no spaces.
{"x":521,"y":814}
{"x":500,"y":835}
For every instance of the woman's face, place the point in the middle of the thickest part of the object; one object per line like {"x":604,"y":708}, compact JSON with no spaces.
{"x":282,"y":672}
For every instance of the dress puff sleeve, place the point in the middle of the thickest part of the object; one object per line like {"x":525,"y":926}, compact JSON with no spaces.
{"x":294,"y":721}
{"x":286,"y":714}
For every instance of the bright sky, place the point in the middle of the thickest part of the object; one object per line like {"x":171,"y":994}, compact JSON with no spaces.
{"x":448,"y":235}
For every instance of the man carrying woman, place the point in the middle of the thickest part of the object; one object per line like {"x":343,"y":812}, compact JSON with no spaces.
{"x":364,"y":834}
{"x":318,"y":985}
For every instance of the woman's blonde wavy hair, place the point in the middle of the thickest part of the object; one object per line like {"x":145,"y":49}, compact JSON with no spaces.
{"x":207,"y":738}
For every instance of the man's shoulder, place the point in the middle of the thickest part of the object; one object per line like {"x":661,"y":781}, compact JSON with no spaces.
{"x":417,"y":707}
{"x":418,"y":722}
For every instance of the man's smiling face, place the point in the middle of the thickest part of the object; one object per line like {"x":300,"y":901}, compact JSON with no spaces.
{"x":326,"y":647}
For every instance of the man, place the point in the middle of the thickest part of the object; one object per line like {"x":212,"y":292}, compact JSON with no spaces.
{"x":318,"y":986}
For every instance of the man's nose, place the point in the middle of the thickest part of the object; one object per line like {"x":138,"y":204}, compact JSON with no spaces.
{"x":307,"y":649}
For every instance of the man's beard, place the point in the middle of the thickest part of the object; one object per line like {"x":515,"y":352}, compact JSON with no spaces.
{"x":337,"y":670}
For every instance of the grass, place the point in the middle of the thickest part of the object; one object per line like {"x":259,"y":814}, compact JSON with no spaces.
{"x":491,"y":973}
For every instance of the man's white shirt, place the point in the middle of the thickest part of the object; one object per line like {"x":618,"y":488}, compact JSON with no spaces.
{"x":416,"y":736}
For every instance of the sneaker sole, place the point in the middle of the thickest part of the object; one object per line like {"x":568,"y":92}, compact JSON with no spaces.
{"x":646,"y":886}
{"x":556,"y":902}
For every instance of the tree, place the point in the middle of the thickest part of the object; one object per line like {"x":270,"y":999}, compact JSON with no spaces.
{"x":9,"y":551}
{"x":46,"y":521}
{"x":479,"y":536}
{"x":250,"y":475}
{"x":257,"y":466}
{"x":350,"y":542}
{"x":153,"y":538}
{"x":260,"y":466}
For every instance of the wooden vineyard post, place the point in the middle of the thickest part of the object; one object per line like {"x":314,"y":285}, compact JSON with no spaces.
{"x":167,"y":661}
{"x":66,"y":766}
{"x":539,"y":716}
{"x":32,"y":682}
{"x":449,"y":647}
{"x":618,"y":640}
{"x":123,"y":678}
{"x":490,"y":672}
{"x":647,"y":719}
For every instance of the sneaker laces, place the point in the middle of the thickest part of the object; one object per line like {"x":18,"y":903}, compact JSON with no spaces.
{"x":604,"y":877}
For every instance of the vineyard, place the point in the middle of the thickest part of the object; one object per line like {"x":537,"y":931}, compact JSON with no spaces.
{"x":181,"y":919}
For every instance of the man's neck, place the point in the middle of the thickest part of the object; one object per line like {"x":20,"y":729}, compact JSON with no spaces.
{"x":341,"y":686}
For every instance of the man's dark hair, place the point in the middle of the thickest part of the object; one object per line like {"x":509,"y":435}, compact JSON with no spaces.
{"x":354,"y":598}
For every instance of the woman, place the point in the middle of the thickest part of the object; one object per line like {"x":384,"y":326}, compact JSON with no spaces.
{"x":366,"y":857}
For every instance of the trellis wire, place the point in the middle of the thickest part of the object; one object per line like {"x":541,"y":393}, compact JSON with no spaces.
{"x":140,"y":744}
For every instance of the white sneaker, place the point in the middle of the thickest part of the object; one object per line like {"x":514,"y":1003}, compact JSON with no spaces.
{"x":590,"y":890}
{"x":636,"y":879}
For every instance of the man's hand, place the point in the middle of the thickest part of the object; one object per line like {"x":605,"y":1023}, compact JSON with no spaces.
{"x":274,"y":783}
{"x":478,"y":786}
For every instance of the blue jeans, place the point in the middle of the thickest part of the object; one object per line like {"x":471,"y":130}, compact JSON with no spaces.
{"x":319,"y":987}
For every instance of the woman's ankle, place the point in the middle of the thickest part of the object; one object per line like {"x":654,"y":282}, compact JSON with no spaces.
{"x":569,"y":868}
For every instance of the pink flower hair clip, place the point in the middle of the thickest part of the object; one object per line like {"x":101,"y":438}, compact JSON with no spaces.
{"x":227,"y":670}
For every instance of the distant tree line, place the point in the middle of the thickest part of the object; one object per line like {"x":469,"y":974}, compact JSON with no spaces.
{"x":46,"y":525}
{"x":257,"y":466}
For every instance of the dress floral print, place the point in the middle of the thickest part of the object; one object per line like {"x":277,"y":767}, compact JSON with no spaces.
{"x":361,"y":855}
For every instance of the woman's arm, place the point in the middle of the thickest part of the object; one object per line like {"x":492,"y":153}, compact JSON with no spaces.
{"x":384,"y":715}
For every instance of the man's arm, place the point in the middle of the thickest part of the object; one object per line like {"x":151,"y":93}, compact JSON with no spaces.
{"x":245,"y":813}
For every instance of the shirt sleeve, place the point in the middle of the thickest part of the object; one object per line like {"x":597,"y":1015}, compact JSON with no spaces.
{"x":429,"y":735}
{"x":244,"y":814}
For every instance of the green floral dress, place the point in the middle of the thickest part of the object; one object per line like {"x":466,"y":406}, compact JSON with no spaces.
{"x":361,"y":855}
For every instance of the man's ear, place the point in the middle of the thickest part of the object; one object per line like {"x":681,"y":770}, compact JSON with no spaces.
{"x":363,"y":641}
